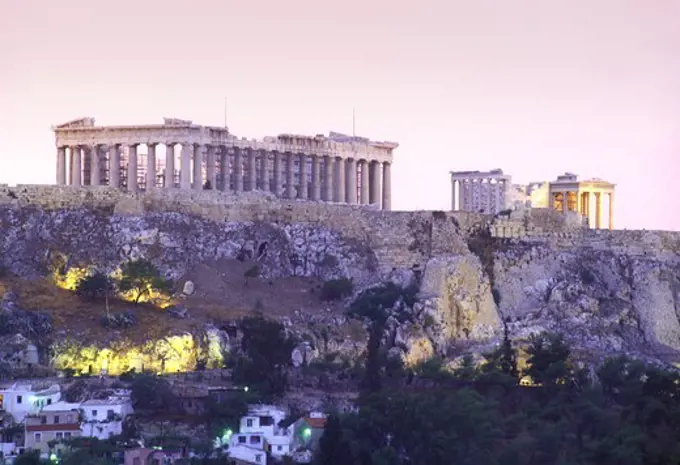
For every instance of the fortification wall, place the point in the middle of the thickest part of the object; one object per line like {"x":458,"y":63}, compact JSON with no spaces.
{"x":399,"y":239}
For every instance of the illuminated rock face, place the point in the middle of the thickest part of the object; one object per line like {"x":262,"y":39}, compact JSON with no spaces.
{"x":172,"y":354}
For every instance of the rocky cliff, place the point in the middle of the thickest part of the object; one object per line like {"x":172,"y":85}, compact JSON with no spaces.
{"x":607,"y":291}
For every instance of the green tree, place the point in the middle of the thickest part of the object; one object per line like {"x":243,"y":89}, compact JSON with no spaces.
{"x":95,"y":287}
{"x":30,"y":457}
{"x":549,"y":360}
{"x":266,"y":350}
{"x":141,"y":278}
{"x":333,"y":446}
{"x":150,"y":392}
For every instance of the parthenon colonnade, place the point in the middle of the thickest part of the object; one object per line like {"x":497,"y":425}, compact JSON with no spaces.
{"x":568,"y":194}
{"x":479,"y":191}
{"x":334,"y":168}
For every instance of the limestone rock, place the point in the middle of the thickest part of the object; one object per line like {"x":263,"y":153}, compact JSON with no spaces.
{"x":188,"y":288}
{"x":128,"y":207}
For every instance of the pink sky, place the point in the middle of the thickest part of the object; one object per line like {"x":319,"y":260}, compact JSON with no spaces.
{"x":536,"y":88}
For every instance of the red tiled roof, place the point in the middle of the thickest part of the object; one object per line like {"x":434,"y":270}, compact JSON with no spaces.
{"x":316,"y":422}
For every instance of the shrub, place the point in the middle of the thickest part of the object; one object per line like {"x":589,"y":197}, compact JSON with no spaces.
{"x":95,"y":286}
{"x":141,"y":278}
{"x":336,"y":289}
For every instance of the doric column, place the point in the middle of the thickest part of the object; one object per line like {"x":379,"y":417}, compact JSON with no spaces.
{"x":251,"y":185}
{"x":278,"y":178}
{"x":237,"y":170}
{"x":132,"y":168}
{"x":598,"y":210}
{"x":304,"y":182}
{"x":210,"y":167}
{"x":453,"y":190}
{"x":351,"y":181}
{"x":169,"y":166}
{"x":150,"y":166}
{"x":327,"y":178}
{"x":197,"y":183}
{"x":224,"y":169}
{"x":611,"y":210}
{"x":364,"y":182}
{"x":114,"y":165}
{"x":565,"y":202}
{"x":264,"y":171}
{"x":61,"y":166}
{"x":290,"y":175}
{"x":493,"y":195}
{"x":339,"y":181}
{"x":387,"y":186}
{"x":95,"y":168}
{"x":316,"y":178}
{"x":374,"y":185}
{"x":76,"y":168}
{"x":185,"y":166}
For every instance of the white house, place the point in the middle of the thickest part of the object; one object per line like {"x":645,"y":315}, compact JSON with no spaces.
{"x":21,"y":400}
{"x":260,"y":428}
{"x":103,"y":418}
{"x":247,"y":454}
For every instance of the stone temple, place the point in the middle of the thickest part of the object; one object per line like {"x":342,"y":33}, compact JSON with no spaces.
{"x":334,"y":168}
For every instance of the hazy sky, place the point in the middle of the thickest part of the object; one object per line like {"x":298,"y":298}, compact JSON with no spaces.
{"x":535,"y":87}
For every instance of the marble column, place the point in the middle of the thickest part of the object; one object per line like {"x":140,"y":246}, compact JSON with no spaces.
{"x":210,"y":166}
{"x":453,"y":190}
{"x":339,"y":181}
{"x":264,"y":171}
{"x":304,"y":182}
{"x":565,"y":202}
{"x":150,"y":166}
{"x":95,"y":168}
{"x":251,"y":185}
{"x":76,"y":167}
{"x":316,"y":178}
{"x":224,"y":169}
{"x":278,"y":178}
{"x":364,"y":182}
{"x":132,"y":169}
{"x":197,"y":178}
{"x":290,"y":175}
{"x":237,"y":170}
{"x":598,"y":210}
{"x":387,"y":186}
{"x":185,"y":166}
{"x":61,"y":166}
{"x":493,"y":194}
{"x":351,"y":181}
{"x":374,"y":185}
{"x":169,"y":181}
{"x":114,"y":165}
{"x":327,"y":179}
{"x":611,"y":210}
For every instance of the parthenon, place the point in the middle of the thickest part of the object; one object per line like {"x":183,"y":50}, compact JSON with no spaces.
{"x":333,"y":168}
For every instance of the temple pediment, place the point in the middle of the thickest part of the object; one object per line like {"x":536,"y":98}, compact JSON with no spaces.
{"x":77,"y":123}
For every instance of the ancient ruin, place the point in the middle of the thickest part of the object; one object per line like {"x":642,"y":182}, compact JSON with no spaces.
{"x":334,"y":168}
{"x":492,"y":191}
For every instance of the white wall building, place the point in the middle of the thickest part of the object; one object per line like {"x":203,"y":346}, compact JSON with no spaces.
{"x":248,"y":454}
{"x":103,"y":418}
{"x":259,"y":434}
{"x":21,"y":400}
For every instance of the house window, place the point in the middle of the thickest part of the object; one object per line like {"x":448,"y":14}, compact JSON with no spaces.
{"x":109,"y":414}
{"x":43,"y":420}
{"x":19,"y":399}
{"x":241,"y":439}
{"x":60,"y":435}
{"x":279,"y":448}
{"x":49,"y":401}
{"x":258,"y":458}
{"x":38,"y":437}
{"x":94,"y":413}
{"x":67,"y":435}
{"x":56,"y":419}
{"x":249,"y":422}
{"x":254,"y":439}
{"x":69,"y":418}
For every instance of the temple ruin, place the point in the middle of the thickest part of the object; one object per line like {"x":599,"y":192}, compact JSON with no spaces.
{"x":333,"y":168}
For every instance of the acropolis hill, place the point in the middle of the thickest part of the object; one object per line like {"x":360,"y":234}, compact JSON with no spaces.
{"x":534,"y":269}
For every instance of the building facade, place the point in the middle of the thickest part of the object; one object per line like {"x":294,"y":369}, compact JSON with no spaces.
{"x":480,"y":191}
{"x":53,"y":425}
{"x":569,"y":194}
{"x":333,"y":168}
